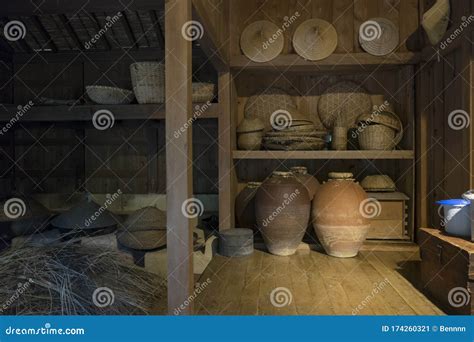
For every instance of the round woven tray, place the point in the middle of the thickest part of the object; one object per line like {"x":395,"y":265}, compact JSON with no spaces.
{"x":344,"y":101}
{"x":301,"y":146}
{"x":263,"y":105}
{"x":378,"y":36}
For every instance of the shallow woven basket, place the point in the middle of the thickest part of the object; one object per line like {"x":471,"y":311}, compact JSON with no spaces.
{"x":378,"y":183}
{"x":148,"y":80}
{"x":345,"y":101}
{"x":109,"y":95}
{"x":379,"y":137}
{"x":203,"y":92}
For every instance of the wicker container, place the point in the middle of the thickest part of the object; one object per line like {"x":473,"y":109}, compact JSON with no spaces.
{"x":378,"y":137}
{"x":148,"y":80}
{"x":339,"y":139}
{"x":250,"y":141}
{"x":203,"y":92}
{"x":109,"y":95}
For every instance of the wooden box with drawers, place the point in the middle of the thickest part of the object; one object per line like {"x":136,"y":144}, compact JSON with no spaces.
{"x":390,"y":223}
{"x":447,"y":270}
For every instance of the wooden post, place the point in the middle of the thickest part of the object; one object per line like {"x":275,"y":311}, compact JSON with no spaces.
{"x":226,"y":145}
{"x":178,"y":61}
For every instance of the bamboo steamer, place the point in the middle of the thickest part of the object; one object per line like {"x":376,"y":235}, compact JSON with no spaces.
{"x":245,"y":206}
{"x":338,"y":216}
{"x":282,"y":210}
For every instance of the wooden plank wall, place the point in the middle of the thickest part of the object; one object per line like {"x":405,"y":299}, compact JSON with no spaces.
{"x":345,"y":15}
{"x":130,"y":156}
{"x":444,"y":85}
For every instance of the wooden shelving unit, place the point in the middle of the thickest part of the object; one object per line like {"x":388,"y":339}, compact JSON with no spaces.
{"x":286,"y":155}
{"x":86,"y":112}
{"x":346,"y":61}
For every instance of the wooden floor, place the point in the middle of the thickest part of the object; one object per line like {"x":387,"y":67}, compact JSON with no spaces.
{"x":313,"y":283}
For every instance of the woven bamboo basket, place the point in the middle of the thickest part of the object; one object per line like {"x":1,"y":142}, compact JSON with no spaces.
{"x":148,"y":80}
{"x":203,"y":92}
{"x":379,"y":137}
{"x":339,"y":138}
{"x":109,"y":95}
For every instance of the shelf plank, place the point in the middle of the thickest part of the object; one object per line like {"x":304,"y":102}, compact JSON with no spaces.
{"x":338,"y":61}
{"x":283,"y":155}
{"x":86,"y":112}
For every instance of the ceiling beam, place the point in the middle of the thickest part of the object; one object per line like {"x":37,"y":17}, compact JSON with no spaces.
{"x":40,"y":7}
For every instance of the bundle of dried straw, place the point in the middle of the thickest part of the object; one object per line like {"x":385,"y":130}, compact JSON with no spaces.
{"x":69,"y":279}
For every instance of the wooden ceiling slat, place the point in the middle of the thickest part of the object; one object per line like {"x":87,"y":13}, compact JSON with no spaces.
{"x":32,"y":34}
{"x":142,"y":34}
{"x":157,"y":28}
{"x":44,"y":34}
{"x":63,"y":33}
{"x":100,"y":27}
{"x":29,"y":7}
{"x":67,"y":26}
{"x":78,"y":28}
{"x":128,"y":30}
{"x":89,"y":26}
{"x":102,"y":19}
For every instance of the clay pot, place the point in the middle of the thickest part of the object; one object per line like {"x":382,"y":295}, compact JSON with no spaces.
{"x":310,"y":182}
{"x":245,"y":206}
{"x":338,"y":216}
{"x":251,"y":141}
{"x":282,"y":207}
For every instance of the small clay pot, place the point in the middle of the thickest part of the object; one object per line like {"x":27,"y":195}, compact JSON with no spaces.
{"x":245,"y":206}
{"x":339,"y":223}
{"x":282,"y":207}
{"x":250,"y":141}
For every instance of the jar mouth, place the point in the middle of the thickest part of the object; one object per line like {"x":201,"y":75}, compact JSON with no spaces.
{"x":300,"y":170}
{"x":340,"y":176}
{"x":284,"y":174}
{"x":254,"y":184}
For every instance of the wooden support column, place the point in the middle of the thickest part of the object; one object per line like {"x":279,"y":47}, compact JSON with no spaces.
{"x":227,"y":178}
{"x":178,"y":61}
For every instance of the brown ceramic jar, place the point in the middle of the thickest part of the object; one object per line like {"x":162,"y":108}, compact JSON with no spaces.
{"x":282,"y":207}
{"x":245,"y":206}
{"x":310,"y":182}
{"x":338,"y":216}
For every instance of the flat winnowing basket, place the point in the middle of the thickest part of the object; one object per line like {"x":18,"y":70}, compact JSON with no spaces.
{"x":263,"y":105}
{"x":345,"y":101}
{"x":148,"y":80}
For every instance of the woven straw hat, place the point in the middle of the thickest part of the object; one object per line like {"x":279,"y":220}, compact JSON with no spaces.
{"x":315,"y":39}
{"x":148,"y":217}
{"x":378,"y":183}
{"x":85,"y":215}
{"x":144,"y":239}
{"x":378,"y":36}
{"x":261,"y":42}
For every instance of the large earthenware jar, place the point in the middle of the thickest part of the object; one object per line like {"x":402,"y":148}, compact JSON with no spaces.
{"x":245,"y":206}
{"x":310,"y":182}
{"x":282,"y":207}
{"x":338,"y":212}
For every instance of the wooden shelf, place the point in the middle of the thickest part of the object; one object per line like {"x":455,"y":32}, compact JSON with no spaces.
{"x":85,"y":112}
{"x":346,"y":61}
{"x":283,"y":155}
